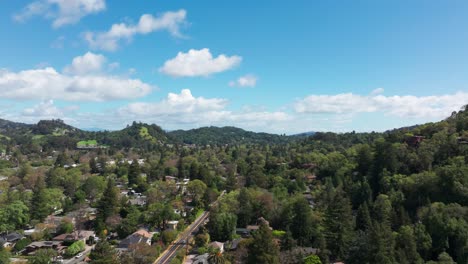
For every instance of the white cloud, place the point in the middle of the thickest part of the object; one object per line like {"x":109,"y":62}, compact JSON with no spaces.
{"x":88,"y":63}
{"x":82,"y":81}
{"x":44,"y":110}
{"x":244,"y":81}
{"x":198,"y":63}
{"x":406,"y":106}
{"x":110,"y":40}
{"x":377,"y":91}
{"x":62,"y":12}
{"x":186,"y":111}
{"x":176,"y":104}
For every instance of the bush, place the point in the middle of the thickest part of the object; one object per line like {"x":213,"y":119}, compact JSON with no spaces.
{"x":20,"y":245}
{"x":75,"y":248}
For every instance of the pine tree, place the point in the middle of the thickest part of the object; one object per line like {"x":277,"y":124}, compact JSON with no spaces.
{"x":133,"y":173}
{"x":339,"y":224}
{"x":39,"y":210}
{"x":103,"y":253}
{"x":363,"y":219}
{"x":108,"y":204}
{"x":263,"y":250}
{"x":383,"y":242}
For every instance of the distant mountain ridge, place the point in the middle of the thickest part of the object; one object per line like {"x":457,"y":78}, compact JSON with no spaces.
{"x":223,"y":135}
{"x":136,"y":135}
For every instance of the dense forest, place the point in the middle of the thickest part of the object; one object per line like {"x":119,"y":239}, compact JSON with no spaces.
{"x":395,"y":197}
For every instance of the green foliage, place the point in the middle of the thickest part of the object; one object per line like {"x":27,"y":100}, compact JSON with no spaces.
{"x":87,"y":143}
{"x":21,"y":244}
{"x":167,"y":236}
{"x":224,"y":135}
{"x":13,"y":216}
{"x":43,"y":256}
{"x":75,"y":248}
{"x":312,"y":259}
{"x":103,"y":253}
{"x":222,"y":226}
{"x":263,"y":249}
{"x":4,"y":256}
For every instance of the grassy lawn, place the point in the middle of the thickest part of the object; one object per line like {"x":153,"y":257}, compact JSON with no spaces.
{"x":85,"y":143}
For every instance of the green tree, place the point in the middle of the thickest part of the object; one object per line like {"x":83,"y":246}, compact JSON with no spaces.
{"x":40,"y":209}
{"x":158,"y":214}
{"x":43,"y":256}
{"x":167,"y":236}
{"x":196,"y":190}
{"x":302,"y":224}
{"x":406,"y":247}
{"x":103,"y":253}
{"x":443,"y":258}
{"x":108,"y":204}
{"x":66,"y":226}
{"x":263,"y":250}
{"x":383,"y":242}
{"x":363,"y":219}
{"x":13,"y":216}
{"x":222,"y":226}
{"x":133,"y":173}
{"x":338,"y":224}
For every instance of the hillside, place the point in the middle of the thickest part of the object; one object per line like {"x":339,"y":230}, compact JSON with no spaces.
{"x":224,"y":135}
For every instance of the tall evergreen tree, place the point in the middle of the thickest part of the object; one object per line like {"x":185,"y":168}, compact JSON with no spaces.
{"x":103,"y":253}
{"x":133,"y":173}
{"x":339,"y":224}
{"x":108,"y":204}
{"x":39,"y":209}
{"x":263,"y":250}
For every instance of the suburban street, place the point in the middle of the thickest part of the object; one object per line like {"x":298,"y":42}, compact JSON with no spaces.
{"x":185,"y":236}
{"x":80,"y":259}
{"x":181,"y":241}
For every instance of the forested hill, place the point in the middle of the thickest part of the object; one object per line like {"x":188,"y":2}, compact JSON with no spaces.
{"x":57,"y":134}
{"x":6,"y":125}
{"x":224,"y":135}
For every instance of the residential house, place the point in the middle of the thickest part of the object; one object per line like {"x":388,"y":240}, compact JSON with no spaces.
{"x":172,"y":225}
{"x":140,"y":236}
{"x":83,"y":235}
{"x":10,"y":239}
{"x":34,"y":246}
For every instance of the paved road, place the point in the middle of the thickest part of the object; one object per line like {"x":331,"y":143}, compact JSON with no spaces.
{"x":78,"y":260}
{"x":182,"y":240}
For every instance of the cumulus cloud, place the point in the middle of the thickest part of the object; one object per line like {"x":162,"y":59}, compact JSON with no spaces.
{"x":401,"y":106}
{"x":45,"y":109}
{"x":88,"y":63}
{"x":183,"y":110}
{"x":244,"y":81}
{"x":81,"y":81}
{"x":62,"y":12}
{"x":110,"y":40}
{"x":198,"y":63}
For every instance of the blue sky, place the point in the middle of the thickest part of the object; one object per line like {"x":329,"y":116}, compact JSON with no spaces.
{"x":272,"y":66}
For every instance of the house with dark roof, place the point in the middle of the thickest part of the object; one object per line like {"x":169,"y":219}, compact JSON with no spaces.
{"x":83,"y":235}
{"x":140,"y":236}
{"x":34,"y":246}
{"x":10,"y":239}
